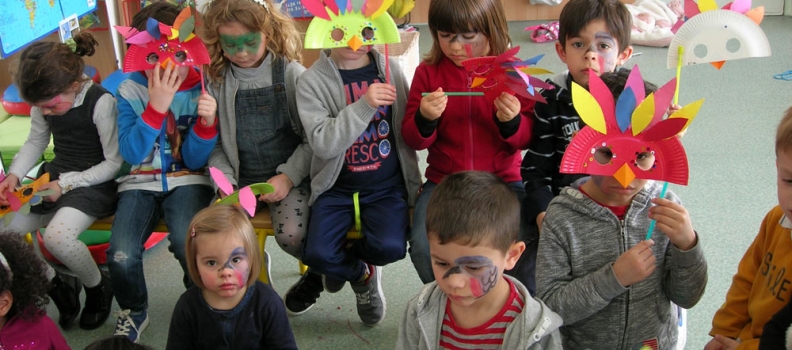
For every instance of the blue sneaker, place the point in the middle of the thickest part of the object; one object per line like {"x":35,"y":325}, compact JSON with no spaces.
{"x":131,"y":326}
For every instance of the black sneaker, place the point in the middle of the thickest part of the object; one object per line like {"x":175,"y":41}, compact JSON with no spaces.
{"x":332,"y":285}
{"x":65,"y":294}
{"x":98,"y":301}
{"x":370,"y":298}
{"x":302,"y":296}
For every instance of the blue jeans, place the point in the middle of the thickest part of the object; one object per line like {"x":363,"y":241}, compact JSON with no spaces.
{"x":138,"y":213}
{"x":419,"y":243}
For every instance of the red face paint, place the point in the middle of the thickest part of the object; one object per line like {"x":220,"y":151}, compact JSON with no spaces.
{"x":475,"y":287}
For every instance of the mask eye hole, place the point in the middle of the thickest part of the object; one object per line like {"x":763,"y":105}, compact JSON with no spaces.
{"x":152,"y":58}
{"x":180,"y":56}
{"x":337,"y":34}
{"x":367,"y":33}
{"x":603,"y":155}
{"x":644,"y":160}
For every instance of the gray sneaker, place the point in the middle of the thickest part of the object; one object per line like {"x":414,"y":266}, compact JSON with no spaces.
{"x":370,"y":298}
{"x":332,"y":285}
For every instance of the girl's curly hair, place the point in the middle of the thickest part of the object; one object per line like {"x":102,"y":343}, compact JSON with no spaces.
{"x":28,"y":281}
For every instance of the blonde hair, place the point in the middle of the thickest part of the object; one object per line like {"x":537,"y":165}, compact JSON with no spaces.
{"x":461,"y":16}
{"x":283,"y":38}
{"x":784,"y":133}
{"x":224,"y":220}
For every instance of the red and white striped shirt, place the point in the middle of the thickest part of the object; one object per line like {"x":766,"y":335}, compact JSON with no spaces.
{"x":486,"y":336}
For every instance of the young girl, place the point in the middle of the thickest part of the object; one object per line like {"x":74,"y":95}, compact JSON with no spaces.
{"x":228,"y":308}
{"x":81,"y":117}
{"x":23,"y":294}
{"x":255,"y":52}
{"x":462,"y":132}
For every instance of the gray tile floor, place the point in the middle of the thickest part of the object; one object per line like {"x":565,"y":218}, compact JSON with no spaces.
{"x":732,"y":186}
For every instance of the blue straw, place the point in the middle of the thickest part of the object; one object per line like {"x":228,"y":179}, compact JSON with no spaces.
{"x":652,"y":224}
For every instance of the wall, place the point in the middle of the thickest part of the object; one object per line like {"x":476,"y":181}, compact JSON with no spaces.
{"x":516,"y":10}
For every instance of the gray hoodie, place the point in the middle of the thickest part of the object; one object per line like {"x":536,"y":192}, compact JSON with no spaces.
{"x":535,"y":328}
{"x":332,"y":126}
{"x":579,"y":243}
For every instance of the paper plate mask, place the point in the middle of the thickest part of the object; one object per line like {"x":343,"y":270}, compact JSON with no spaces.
{"x":161,"y":44}
{"x":349,"y":23}
{"x":628,"y":139}
{"x":712,"y":35}
{"x":506,"y":73}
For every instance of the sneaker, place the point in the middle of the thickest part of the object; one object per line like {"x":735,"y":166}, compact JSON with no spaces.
{"x":370,"y":299}
{"x":98,"y":301}
{"x":332,"y":285}
{"x":131,"y":326}
{"x":302,"y":296}
{"x":65,"y":294}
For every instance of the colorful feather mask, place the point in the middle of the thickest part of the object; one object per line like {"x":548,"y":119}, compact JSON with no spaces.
{"x":349,"y":23}
{"x":161,"y":43}
{"x":629,"y":139}
{"x":506,"y":73}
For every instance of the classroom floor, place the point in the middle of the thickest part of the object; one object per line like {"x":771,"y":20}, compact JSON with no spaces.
{"x":732,"y":185}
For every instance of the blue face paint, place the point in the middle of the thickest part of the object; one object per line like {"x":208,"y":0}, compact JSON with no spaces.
{"x":238,"y":252}
{"x":482,"y":273}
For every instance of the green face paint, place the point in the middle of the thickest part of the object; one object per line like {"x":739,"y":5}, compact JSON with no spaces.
{"x":234,"y":44}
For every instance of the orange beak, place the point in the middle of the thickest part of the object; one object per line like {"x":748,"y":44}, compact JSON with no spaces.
{"x":355,"y":43}
{"x":624,"y":175}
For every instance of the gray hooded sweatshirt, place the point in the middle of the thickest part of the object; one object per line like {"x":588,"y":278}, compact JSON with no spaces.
{"x":579,"y":243}
{"x":332,"y":126}
{"x":535,"y":328}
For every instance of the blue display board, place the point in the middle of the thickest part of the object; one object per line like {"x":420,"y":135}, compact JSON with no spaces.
{"x":25,"y":21}
{"x":295,"y":9}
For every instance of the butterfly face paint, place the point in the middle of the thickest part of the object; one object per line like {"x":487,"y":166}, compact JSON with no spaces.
{"x":223,"y":265}
{"x":482,"y":274}
{"x":594,"y":48}
{"x":234,"y":44}
{"x":461,"y":46}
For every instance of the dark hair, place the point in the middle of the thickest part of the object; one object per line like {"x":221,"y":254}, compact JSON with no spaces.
{"x":164,"y":12}
{"x":461,"y":16}
{"x":116,"y":343}
{"x":615,"y":81}
{"x":577,"y":14}
{"x":28,"y":281}
{"x":474,"y":208}
{"x":48,"y":69}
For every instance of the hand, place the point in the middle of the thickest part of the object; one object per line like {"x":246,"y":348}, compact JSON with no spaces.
{"x":282,"y":186}
{"x":162,"y":87}
{"x":674,"y":220}
{"x":508,"y":107}
{"x":721,"y":343}
{"x":55,"y":187}
{"x":635,"y":264}
{"x":9,"y":184}
{"x":673,"y":109}
{"x":540,"y":220}
{"x":379,"y":94}
{"x":207,"y":109}
{"x":434,"y":104}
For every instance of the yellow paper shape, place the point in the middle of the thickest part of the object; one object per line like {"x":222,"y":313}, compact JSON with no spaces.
{"x":689,"y":112}
{"x":707,"y":5}
{"x":624,"y":175}
{"x":589,"y":109}
{"x":643,"y":114}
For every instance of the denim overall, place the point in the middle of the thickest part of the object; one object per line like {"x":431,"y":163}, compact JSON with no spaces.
{"x":265,"y":138}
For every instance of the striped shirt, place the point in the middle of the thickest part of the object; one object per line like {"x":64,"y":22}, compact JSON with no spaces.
{"x":486,"y":336}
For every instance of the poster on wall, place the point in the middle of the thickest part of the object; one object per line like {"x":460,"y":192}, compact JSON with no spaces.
{"x":25,"y":21}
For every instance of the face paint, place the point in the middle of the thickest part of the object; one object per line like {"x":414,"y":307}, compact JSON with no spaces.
{"x":234,"y":44}
{"x":605,"y":46}
{"x":482,"y":274}
{"x":233,"y":263}
{"x":461,"y":46}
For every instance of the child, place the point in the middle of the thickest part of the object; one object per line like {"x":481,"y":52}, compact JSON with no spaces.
{"x":81,"y":118}
{"x":23,"y":288}
{"x":256,"y":52}
{"x":228,"y":307}
{"x":590,"y":32}
{"x":757,"y":292}
{"x":613,"y":287}
{"x":462,"y":133}
{"x":167,"y":129}
{"x":473,"y":223}
{"x":362,"y":173}
{"x":777,"y":332}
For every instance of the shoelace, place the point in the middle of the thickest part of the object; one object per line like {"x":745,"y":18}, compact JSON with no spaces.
{"x":363,"y":298}
{"x":123,"y":327}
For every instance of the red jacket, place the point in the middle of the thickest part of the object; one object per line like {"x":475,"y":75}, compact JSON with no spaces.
{"x":467,"y":136}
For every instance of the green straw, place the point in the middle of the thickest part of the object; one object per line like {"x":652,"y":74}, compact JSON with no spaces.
{"x":472,"y":93}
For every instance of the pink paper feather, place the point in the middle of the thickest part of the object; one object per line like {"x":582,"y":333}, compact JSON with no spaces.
{"x":635,"y":82}
{"x":316,"y":8}
{"x":248,"y":200}
{"x":741,"y":6}
{"x":221,"y":180}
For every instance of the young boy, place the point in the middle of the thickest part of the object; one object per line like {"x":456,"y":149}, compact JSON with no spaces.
{"x":167,"y":129}
{"x":362,"y":174}
{"x":472,"y":222}
{"x":593,"y":35}
{"x":760,"y":288}
{"x":595,"y":266}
